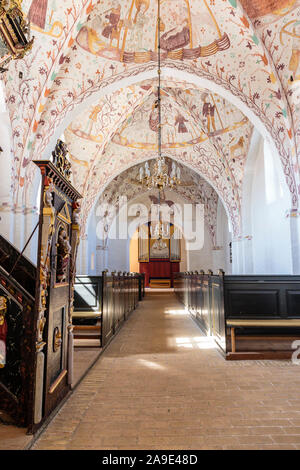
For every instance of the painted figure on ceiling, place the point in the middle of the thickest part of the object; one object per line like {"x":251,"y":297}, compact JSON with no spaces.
{"x":180,"y":121}
{"x":168,"y":129}
{"x":154,"y":117}
{"x":41,"y":15}
{"x":176,"y":38}
{"x":138,"y":24}
{"x":208,"y":112}
{"x":38,"y":13}
{"x":295,"y":56}
{"x":112,"y":28}
{"x":92,"y":119}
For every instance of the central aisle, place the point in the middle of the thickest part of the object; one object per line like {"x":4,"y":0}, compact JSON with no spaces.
{"x":162,"y":385}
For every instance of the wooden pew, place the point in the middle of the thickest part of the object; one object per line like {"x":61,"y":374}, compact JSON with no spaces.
{"x":220,"y":304}
{"x":87,"y":313}
{"x":102,"y":304}
{"x":262,"y":304}
{"x":260,"y":325}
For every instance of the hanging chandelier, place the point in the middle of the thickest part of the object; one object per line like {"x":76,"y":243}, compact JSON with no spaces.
{"x":159,"y":176}
{"x":158,"y":228}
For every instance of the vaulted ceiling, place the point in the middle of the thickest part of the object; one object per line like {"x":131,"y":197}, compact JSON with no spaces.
{"x":227,"y":65}
{"x":216,"y":149}
{"x":125,"y":188}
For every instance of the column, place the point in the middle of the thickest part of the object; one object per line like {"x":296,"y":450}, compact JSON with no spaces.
{"x":295,"y":239}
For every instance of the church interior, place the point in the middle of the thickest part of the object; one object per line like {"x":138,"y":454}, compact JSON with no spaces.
{"x":149,"y":224}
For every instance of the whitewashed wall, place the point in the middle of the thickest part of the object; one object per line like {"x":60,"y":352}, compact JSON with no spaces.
{"x":266,"y":244}
{"x":17,"y":220}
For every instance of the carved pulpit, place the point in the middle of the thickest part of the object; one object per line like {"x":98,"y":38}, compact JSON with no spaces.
{"x":57,"y":251}
{"x":36,"y":304}
{"x":15,"y":39}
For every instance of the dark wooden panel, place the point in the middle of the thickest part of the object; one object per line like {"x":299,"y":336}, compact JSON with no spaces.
{"x":56,"y":358}
{"x":57,"y":363}
{"x":10,"y":374}
{"x":107,"y":329}
{"x":218,"y":311}
{"x":262,"y":296}
{"x":212,"y":299}
{"x":17,"y":375}
{"x":244,"y":303}
{"x":206,"y":306}
{"x":293,"y":303}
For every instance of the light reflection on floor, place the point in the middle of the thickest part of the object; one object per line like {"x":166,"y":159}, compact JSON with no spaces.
{"x":176,"y":312}
{"x":150,"y":364}
{"x":196,"y":342}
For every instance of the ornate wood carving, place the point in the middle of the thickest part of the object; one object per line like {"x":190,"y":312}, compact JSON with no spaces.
{"x":14,"y":32}
{"x":16,"y":377}
{"x":3,"y":330}
{"x":60,"y":160}
{"x":58,"y":242}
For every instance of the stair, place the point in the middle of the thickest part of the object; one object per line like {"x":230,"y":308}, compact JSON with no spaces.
{"x":87,"y":335}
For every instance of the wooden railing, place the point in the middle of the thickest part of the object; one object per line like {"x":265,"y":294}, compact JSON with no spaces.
{"x":216,"y":300}
{"x":103,"y":303}
{"x":18,"y":266}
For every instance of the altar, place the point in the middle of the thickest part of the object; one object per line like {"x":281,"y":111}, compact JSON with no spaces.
{"x":159,"y":258}
{"x":159,"y":270}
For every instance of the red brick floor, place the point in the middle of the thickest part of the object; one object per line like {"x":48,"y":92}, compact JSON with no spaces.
{"x":162,"y":385}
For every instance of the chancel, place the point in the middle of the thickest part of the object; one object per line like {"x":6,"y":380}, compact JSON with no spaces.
{"x":149,"y":225}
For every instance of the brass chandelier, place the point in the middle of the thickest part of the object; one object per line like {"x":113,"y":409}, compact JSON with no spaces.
{"x":159,"y":177}
{"x":159,"y":229}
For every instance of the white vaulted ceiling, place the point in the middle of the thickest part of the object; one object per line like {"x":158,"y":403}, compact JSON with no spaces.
{"x":93,"y":74}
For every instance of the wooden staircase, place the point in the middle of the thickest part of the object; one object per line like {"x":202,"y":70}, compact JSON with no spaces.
{"x":87,"y":329}
{"x":87,"y":335}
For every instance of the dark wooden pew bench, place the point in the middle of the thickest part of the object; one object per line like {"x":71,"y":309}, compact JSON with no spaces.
{"x":269,"y":324}
{"x":253,"y":305}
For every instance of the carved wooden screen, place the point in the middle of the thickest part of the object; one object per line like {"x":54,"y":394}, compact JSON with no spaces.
{"x":58,"y":241}
{"x":16,"y":349}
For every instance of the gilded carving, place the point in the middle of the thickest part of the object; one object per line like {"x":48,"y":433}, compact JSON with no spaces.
{"x":74,"y":243}
{"x":60,"y":159}
{"x":63,"y":255}
{"x":14,"y":32}
{"x":48,"y":229}
{"x":57,"y":339}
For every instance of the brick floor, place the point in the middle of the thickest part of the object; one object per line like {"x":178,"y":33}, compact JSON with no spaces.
{"x":162,"y":385}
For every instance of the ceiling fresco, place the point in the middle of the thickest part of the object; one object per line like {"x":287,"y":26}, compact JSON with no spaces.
{"x":193,"y":190}
{"x":88,"y":67}
{"x":199,"y":128}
